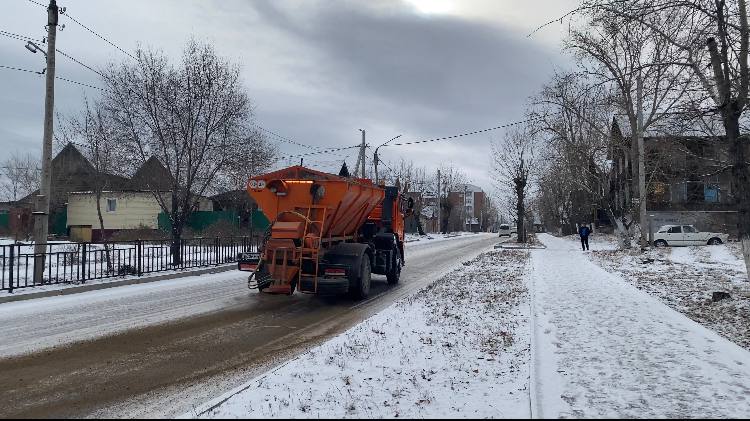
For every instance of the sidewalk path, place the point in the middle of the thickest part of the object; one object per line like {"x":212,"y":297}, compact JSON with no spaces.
{"x":602,"y":348}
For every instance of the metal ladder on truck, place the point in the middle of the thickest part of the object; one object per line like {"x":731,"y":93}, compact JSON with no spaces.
{"x":311,"y":242}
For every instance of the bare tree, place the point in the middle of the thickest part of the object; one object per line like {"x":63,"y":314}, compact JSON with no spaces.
{"x":513,"y":161}
{"x":192,"y":117}
{"x":257,"y":157}
{"x":713,"y":39}
{"x":95,"y":133}
{"x":625,"y":53}
{"x":21,"y":176}
{"x":573,"y":114}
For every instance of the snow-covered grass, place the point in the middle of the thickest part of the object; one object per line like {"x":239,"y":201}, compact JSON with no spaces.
{"x":685,"y":278}
{"x":458,"y":348}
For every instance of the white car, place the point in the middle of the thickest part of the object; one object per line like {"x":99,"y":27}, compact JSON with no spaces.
{"x":505,"y":229}
{"x":686,"y":235}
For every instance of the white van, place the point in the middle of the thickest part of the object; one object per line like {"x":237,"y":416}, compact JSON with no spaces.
{"x":505,"y":229}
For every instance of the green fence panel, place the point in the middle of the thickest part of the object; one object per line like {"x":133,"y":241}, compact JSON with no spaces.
{"x":59,"y":222}
{"x":4,"y":220}
{"x":260,"y":222}
{"x":200,"y":220}
{"x":163,"y":222}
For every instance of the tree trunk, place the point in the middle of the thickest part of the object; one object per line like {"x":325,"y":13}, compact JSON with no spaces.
{"x":740,"y":180}
{"x":520,"y":211}
{"x":623,"y":237}
{"x":176,"y":241}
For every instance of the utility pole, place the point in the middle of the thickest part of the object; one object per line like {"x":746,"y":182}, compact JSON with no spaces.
{"x":439,"y":206}
{"x":642,"y":194}
{"x":361,"y":159}
{"x":464,"y":211}
{"x":41,"y":214}
{"x":375,"y":160}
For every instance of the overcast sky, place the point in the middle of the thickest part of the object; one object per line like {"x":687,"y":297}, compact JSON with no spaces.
{"x":317,"y":71}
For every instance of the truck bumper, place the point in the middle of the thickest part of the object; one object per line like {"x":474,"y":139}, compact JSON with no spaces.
{"x":327,"y":286}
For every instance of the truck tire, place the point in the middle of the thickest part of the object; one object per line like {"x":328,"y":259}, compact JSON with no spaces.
{"x":395,"y":273}
{"x":359,"y":283}
{"x":715,"y":241}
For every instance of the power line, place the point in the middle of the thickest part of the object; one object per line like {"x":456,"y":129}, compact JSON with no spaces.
{"x":27,"y":38}
{"x":96,"y":34}
{"x":316,"y":152}
{"x":79,"y":62}
{"x":18,"y":36}
{"x":64,"y":13}
{"x":56,"y":77}
{"x":284,"y":139}
{"x":456,"y":136}
{"x":576,"y":10}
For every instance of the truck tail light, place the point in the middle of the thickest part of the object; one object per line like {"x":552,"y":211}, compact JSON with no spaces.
{"x":335,"y":272}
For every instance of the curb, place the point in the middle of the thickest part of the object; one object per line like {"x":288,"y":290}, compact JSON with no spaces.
{"x":114,"y":284}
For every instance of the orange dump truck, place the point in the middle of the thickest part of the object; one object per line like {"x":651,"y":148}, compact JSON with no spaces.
{"x":328,"y":233}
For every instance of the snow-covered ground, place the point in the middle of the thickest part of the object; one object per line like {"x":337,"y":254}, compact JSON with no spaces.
{"x":685,"y":278}
{"x":432,"y":238}
{"x":459,"y":348}
{"x":602,"y":348}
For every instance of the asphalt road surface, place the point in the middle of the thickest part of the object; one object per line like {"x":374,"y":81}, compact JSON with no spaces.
{"x":158,"y":350}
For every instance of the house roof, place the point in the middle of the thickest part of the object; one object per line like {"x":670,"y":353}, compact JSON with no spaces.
{"x":152,"y":175}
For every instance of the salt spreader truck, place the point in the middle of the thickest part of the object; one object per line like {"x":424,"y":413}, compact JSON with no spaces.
{"x":328,"y":233}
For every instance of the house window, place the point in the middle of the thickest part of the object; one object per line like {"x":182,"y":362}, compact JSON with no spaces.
{"x":711,"y":193}
{"x":111,"y":205}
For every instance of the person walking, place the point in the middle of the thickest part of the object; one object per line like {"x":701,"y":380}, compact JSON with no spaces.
{"x":584,"y":232}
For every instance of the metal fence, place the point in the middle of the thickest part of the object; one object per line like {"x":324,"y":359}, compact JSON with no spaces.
{"x":67,"y":263}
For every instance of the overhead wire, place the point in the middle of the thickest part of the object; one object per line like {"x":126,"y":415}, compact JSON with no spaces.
{"x":56,"y":77}
{"x":67,"y":15}
{"x":456,"y":136}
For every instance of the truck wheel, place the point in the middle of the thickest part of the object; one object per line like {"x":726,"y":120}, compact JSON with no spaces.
{"x":362,"y":283}
{"x":395,"y":273}
{"x":714,"y":241}
{"x":660,"y":243}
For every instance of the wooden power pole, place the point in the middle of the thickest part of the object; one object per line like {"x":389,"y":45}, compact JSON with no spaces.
{"x":41,"y":213}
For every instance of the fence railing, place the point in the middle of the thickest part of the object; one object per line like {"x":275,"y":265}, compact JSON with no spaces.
{"x":66,"y":262}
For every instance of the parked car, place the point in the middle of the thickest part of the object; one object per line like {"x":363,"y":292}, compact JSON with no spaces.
{"x":506,"y":230}
{"x":686,"y":235}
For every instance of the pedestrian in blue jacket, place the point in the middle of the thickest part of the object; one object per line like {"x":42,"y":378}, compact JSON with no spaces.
{"x":584,"y":232}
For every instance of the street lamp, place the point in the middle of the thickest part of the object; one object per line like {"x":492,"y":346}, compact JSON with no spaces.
{"x":376,"y":159}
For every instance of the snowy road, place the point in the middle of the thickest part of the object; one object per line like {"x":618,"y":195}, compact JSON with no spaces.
{"x":143,"y":345}
{"x":602,"y":348}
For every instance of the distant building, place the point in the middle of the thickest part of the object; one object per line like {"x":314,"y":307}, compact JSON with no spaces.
{"x":468,"y":207}
{"x":688,"y":179}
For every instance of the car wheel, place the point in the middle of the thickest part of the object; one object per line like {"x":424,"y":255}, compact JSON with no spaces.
{"x":714,"y":241}
{"x":660,"y":243}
